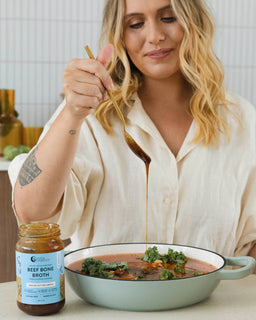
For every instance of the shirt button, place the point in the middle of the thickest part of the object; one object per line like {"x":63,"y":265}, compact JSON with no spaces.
{"x":167,"y":200}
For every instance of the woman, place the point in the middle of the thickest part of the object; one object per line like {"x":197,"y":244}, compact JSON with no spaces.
{"x":160,"y":66}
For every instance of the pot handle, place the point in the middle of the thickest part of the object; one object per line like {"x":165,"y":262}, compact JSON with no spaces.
{"x":247,"y":264}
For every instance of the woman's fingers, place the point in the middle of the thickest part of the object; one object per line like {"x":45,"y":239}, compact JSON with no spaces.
{"x":85,"y":82}
{"x":95,"y":68}
{"x":79,"y":80}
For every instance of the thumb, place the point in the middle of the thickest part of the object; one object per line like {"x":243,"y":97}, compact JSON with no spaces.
{"x":105,"y":54}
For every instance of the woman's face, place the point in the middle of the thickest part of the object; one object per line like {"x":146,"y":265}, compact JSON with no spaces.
{"x":152,"y":37}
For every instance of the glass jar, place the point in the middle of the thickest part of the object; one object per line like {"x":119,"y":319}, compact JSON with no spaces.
{"x":40,"y":269}
{"x":10,"y":127}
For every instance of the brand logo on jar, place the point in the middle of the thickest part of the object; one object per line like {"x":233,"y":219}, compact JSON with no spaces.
{"x":39,"y":259}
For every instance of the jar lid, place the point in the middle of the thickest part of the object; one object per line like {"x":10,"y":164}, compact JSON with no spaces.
{"x":39,"y":229}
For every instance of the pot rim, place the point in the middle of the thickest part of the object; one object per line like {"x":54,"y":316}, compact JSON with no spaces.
{"x":140,"y":243}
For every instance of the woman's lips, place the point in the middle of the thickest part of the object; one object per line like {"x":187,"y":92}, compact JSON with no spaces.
{"x":158,"y":54}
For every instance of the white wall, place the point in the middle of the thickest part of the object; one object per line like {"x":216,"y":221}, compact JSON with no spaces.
{"x":39,"y":37}
{"x":236,"y":44}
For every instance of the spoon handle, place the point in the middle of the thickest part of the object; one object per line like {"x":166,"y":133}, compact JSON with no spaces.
{"x":119,"y":112}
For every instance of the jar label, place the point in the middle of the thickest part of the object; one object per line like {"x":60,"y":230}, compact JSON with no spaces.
{"x":40,"y":277}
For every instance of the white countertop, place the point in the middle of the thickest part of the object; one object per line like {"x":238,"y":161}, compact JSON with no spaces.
{"x":232,"y":299}
{"x":4,"y":164}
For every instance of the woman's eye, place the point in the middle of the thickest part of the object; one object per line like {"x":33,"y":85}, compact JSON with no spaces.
{"x":136,"y":25}
{"x":169,"y":19}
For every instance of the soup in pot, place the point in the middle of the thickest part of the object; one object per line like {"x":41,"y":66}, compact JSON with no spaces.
{"x":138,"y":266}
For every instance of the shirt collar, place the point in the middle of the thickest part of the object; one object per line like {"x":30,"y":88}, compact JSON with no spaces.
{"x":138,"y":116}
{"x":187,"y":145}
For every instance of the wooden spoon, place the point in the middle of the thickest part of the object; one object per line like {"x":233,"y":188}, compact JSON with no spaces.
{"x":128,"y":138}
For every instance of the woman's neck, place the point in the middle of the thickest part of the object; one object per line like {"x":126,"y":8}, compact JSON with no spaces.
{"x":167,"y":104}
{"x":165,"y":94}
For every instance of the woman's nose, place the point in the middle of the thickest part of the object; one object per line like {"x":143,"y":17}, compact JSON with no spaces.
{"x":155,"y":33}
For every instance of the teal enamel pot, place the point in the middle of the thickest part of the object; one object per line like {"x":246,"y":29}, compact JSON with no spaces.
{"x":151,"y":295}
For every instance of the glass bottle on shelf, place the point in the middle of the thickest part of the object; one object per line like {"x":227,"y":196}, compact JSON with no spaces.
{"x":10,"y":127}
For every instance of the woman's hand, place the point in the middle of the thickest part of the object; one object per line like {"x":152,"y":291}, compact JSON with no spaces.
{"x":85,"y":82}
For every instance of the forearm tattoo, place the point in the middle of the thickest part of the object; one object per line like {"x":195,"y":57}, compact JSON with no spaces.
{"x":29,"y":170}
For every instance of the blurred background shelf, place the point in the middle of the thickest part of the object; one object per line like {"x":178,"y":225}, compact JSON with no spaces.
{"x":4,"y":164}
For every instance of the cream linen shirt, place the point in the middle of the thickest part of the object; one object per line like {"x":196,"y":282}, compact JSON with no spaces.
{"x":204,"y":197}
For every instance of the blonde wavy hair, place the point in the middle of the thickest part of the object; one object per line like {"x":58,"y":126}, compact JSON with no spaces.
{"x":198,"y":63}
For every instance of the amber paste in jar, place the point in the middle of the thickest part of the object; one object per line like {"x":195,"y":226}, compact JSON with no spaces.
{"x":40,"y":269}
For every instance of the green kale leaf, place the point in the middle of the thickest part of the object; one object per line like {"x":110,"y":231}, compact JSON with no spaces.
{"x":140,"y":276}
{"x":115,"y":266}
{"x":93,"y":268}
{"x":172,"y":256}
{"x":167,"y":275}
{"x":100,"y":269}
{"x":151,"y":255}
{"x":179,"y":269}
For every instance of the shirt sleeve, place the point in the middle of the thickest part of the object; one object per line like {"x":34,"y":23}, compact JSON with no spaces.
{"x":86,"y":174}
